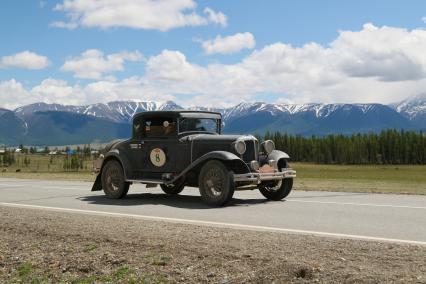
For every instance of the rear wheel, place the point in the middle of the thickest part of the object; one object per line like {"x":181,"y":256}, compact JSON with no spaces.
{"x":113,"y":181}
{"x":216,"y":183}
{"x":173,"y":188}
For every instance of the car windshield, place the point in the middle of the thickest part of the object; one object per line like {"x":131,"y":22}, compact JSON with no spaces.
{"x":198,"y":125}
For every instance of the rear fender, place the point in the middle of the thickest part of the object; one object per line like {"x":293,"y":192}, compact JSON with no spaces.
{"x":112,"y":155}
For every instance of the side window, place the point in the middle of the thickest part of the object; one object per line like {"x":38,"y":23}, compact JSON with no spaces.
{"x":138,"y":128}
{"x":159,"y":127}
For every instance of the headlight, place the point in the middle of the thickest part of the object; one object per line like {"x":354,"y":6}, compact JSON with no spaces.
{"x":268,"y":146}
{"x":240,"y":147}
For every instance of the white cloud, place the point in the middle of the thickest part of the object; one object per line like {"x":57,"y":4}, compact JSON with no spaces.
{"x":216,"y":17}
{"x":374,"y":64}
{"x":229,"y":44}
{"x":25,"y":60}
{"x":64,"y":25}
{"x":371,"y":65}
{"x":12,"y":94}
{"x":386,"y":53}
{"x":93,"y":64}
{"x":424,"y":20}
{"x":160,"y":15}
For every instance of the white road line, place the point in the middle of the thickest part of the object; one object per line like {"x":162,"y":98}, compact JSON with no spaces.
{"x":216,"y":224}
{"x":13,"y":185}
{"x":7,"y":187}
{"x":356,"y":204}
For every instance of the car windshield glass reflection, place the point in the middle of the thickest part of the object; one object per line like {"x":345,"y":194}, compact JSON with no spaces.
{"x":198,"y":125}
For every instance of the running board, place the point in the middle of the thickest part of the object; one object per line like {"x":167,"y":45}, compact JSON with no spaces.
{"x":150,"y":181}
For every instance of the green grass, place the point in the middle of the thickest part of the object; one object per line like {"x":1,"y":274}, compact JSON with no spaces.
{"x":24,"y":270}
{"x":46,"y":167}
{"x":408,"y":179}
{"x":121,"y":275}
{"x":90,"y":247}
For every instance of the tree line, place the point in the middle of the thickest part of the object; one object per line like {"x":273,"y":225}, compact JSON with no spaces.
{"x":387,"y":147}
{"x":72,"y":159}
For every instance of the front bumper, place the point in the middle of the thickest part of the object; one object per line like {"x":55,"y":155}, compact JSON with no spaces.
{"x":259,"y":177}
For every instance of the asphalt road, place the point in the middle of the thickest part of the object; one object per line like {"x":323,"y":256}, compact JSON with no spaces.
{"x":382,"y":217}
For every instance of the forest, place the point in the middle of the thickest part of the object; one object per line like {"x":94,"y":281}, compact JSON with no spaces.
{"x":387,"y":147}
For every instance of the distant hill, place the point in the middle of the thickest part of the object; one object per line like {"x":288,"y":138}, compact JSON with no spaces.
{"x":56,"y":124}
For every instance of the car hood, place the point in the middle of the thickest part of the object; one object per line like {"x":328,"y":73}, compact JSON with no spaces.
{"x":218,"y":138}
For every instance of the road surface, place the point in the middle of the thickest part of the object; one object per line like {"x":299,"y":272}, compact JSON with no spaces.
{"x":381,"y":217}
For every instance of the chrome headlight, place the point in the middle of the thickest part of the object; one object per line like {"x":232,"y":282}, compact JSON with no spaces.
{"x":240,"y":147}
{"x":268,"y":146}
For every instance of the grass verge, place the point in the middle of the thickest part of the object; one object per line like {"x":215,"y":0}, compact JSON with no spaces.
{"x":406,"y":179}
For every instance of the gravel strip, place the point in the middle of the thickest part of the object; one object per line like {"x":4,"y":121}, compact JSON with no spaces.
{"x":49,"y":247}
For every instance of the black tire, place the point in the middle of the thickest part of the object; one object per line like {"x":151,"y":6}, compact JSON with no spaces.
{"x":173,"y":189}
{"x":113,"y":182}
{"x":216,"y":183}
{"x":278,"y":190}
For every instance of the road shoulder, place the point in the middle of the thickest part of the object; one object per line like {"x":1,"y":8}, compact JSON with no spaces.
{"x":56,"y":246}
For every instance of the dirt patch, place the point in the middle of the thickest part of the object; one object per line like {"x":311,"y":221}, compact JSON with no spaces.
{"x":39,"y":246}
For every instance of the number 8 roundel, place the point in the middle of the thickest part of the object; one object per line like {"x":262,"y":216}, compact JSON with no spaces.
{"x":157,"y":157}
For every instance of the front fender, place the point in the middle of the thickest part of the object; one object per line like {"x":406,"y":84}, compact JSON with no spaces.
{"x":280,"y":157}
{"x":214,"y":155}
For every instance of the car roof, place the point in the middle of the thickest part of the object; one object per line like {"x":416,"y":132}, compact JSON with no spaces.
{"x":179,"y":113}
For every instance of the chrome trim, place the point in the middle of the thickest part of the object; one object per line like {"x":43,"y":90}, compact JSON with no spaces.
{"x":259,"y":177}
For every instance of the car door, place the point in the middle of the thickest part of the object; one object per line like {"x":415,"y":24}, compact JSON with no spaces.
{"x":159,"y":145}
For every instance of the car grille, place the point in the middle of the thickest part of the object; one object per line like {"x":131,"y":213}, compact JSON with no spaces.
{"x":251,"y":151}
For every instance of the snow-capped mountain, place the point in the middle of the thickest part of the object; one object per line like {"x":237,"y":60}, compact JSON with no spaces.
{"x":414,"y":109}
{"x":118,"y":111}
{"x":55,"y":124}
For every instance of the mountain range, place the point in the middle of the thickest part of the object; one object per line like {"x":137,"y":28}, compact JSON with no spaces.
{"x":56,"y":124}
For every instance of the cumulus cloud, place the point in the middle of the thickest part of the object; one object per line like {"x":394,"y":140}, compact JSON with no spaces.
{"x":25,"y":60}
{"x":161,"y":15}
{"x":229,"y":44}
{"x":12,"y":94}
{"x":374,"y":64}
{"x":93,"y":64}
{"x":389,"y":54}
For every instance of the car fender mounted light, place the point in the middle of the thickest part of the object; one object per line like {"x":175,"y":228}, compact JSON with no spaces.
{"x":240,"y":147}
{"x":254,"y":165}
{"x":268,"y":146}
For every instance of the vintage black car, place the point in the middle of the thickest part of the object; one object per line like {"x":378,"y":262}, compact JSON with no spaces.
{"x":175,"y":149}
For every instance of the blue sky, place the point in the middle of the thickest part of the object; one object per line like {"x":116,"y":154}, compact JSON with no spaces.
{"x":212,"y":53}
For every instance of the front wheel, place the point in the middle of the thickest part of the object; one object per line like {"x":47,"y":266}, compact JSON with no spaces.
{"x":216,"y":183}
{"x":113,"y":181}
{"x":277,"y":190}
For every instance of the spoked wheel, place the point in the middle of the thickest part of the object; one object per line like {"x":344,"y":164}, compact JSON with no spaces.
{"x":216,"y":183}
{"x":277,"y":190}
{"x":173,"y":188}
{"x":113,"y":182}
